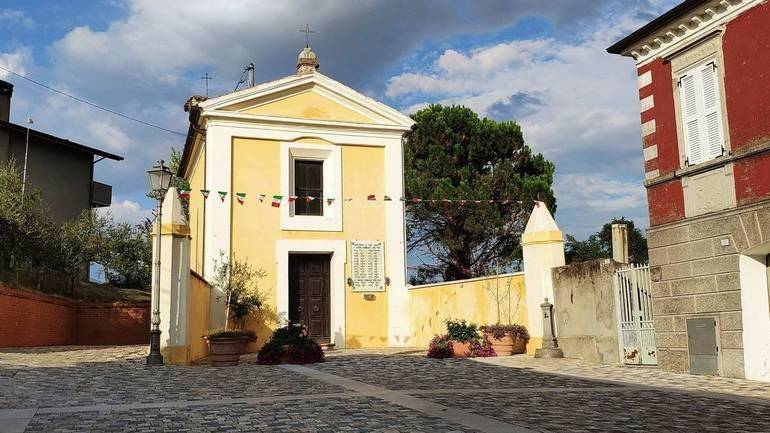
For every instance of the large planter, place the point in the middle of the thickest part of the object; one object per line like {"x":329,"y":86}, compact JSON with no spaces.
{"x":519,"y":345}
{"x":226,"y":351}
{"x":503,"y":346}
{"x":460,"y":349}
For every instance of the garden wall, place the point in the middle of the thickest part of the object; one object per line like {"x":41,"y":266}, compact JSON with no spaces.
{"x":198,"y":325}
{"x":472,"y":300}
{"x":31,"y":319}
{"x":584,"y":310}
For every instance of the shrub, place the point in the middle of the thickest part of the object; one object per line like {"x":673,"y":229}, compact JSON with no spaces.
{"x":238,"y":281}
{"x":231,"y":333}
{"x":305,"y":352}
{"x":481,"y":349}
{"x":461,"y":330}
{"x":440,"y":347}
{"x":499,"y":331}
{"x":290,"y":344}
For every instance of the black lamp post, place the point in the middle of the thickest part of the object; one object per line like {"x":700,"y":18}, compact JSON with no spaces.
{"x":160,"y":181}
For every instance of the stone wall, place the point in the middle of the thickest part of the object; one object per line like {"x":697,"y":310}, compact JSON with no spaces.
{"x":584,"y":311}
{"x":695,"y":273}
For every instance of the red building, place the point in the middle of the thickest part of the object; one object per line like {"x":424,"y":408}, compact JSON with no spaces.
{"x":704,"y":91}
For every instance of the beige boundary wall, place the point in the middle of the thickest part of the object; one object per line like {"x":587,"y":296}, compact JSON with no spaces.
{"x":472,"y":300}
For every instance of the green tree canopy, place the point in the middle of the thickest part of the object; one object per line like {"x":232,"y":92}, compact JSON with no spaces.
{"x":452,"y":153}
{"x":599,"y":244}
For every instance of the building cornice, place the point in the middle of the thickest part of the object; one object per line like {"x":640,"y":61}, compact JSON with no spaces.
{"x":697,"y":23}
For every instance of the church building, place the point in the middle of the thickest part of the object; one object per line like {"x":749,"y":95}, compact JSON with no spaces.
{"x":302,"y":177}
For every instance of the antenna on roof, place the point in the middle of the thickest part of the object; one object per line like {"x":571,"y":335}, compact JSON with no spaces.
{"x":250,"y":73}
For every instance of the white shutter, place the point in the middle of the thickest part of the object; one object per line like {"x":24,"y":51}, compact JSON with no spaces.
{"x":691,"y":117}
{"x":712,"y":112}
{"x":701,"y":114}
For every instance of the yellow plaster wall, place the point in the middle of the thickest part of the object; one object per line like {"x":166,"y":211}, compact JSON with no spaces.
{"x":196,"y":207}
{"x":471,"y":300}
{"x":309,"y":105}
{"x":198,"y":316}
{"x":256,"y":226}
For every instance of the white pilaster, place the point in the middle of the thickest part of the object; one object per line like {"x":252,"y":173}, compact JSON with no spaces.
{"x":756,"y":316}
{"x":217,"y":222}
{"x":543,"y":249}
{"x":174,"y":280}
{"x":395,"y":248}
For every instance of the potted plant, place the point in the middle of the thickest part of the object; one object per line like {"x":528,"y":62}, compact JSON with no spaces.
{"x":461,"y":334}
{"x":238,"y":282}
{"x":500,"y":337}
{"x":440,"y":347}
{"x":520,"y":338}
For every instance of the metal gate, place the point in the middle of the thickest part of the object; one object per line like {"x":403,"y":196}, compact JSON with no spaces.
{"x":633,"y":297}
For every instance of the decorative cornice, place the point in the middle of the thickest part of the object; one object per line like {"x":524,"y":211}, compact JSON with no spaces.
{"x":698,"y":23}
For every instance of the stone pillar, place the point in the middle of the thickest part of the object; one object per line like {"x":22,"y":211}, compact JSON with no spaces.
{"x":174,"y":280}
{"x":620,"y":243}
{"x":543,"y":248}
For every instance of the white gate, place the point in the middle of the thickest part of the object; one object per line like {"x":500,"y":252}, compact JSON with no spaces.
{"x":633,"y":297}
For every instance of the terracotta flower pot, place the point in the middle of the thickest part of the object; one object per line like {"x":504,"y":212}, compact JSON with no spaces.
{"x":503,"y":346}
{"x":519,"y":345}
{"x":225,"y":352}
{"x":460,"y":349}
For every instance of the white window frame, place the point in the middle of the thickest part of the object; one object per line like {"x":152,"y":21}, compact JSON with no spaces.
{"x":707,"y":152}
{"x":331,"y":220}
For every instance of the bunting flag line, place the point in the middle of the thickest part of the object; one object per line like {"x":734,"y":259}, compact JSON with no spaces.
{"x":277,"y":199}
{"x":184,"y":193}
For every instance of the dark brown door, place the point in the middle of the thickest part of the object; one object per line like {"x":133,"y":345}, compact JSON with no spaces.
{"x":309,"y":294}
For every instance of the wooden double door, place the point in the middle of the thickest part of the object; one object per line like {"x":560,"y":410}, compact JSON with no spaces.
{"x":309,"y":294}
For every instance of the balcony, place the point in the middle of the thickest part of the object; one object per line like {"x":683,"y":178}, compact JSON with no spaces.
{"x":101,"y":194}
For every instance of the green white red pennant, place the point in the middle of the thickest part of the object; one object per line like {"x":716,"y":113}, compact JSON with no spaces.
{"x":241,"y":197}
{"x":261,"y":197}
{"x":184,"y":193}
{"x":222,"y":195}
{"x":205,"y":193}
{"x":277,"y":201}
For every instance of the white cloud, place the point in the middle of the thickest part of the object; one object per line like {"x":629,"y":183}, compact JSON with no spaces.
{"x":576,"y":104}
{"x":128,"y":211}
{"x":14,"y":61}
{"x":110,"y":136}
{"x":13,"y":17}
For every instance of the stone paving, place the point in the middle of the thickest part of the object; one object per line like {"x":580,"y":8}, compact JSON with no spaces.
{"x":71,"y":389}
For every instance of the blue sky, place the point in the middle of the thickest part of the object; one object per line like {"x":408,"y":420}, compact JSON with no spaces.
{"x":541,"y":63}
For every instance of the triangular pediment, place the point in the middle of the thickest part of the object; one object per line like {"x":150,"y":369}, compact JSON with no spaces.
{"x":312,"y":97}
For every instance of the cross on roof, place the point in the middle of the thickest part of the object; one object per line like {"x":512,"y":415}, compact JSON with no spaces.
{"x":307,"y":33}
{"x":207,"y":77}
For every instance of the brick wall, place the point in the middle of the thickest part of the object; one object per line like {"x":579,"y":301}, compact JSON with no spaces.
{"x":31,"y":319}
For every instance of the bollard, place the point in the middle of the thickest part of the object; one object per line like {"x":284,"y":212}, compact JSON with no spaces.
{"x":550,"y":347}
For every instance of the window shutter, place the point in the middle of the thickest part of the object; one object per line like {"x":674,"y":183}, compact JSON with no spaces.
{"x":690,"y":112}
{"x":711,"y":107}
{"x":701,"y":114}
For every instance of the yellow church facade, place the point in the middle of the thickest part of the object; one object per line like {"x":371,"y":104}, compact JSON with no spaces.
{"x":304,"y":165}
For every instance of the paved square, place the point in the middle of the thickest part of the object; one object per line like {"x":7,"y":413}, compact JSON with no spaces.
{"x":75,"y":389}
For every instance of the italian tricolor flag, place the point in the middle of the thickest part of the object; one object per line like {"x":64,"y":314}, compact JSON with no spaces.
{"x":222,"y":195}
{"x":241,"y":197}
{"x":205,"y":193}
{"x":277,"y":200}
{"x":184,"y":193}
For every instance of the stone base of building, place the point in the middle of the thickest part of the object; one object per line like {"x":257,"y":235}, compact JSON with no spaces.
{"x":713,"y":267}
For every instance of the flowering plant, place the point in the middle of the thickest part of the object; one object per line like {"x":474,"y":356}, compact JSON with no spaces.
{"x":440,"y":347}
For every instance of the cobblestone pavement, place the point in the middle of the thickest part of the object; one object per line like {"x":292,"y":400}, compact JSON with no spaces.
{"x":100,"y":389}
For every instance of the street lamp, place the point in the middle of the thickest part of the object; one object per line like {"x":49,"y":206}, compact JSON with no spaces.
{"x":160,"y":181}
